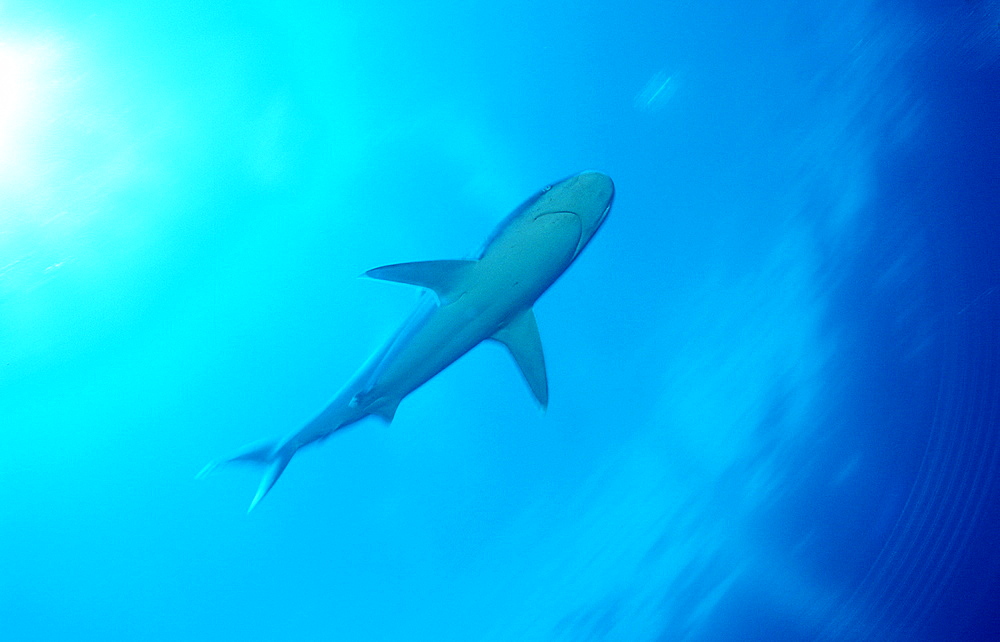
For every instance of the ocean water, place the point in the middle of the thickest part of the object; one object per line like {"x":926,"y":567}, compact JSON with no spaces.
{"x":774,"y":374}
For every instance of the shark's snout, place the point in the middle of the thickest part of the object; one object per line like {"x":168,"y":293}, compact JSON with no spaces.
{"x":596,"y":188}
{"x":589,"y":194}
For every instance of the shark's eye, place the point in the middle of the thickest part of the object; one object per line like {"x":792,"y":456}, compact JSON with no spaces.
{"x":546,"y":188}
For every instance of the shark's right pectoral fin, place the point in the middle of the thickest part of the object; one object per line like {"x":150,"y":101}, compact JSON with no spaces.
{"x":445,"y":278}
{"x":525,"y":345}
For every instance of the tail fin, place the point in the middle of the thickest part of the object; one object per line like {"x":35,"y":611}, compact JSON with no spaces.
{"x":273,"y":455}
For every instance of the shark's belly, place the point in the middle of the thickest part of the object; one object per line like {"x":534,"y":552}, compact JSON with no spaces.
{"x":444,"y":335}
{"x":513,"y":272}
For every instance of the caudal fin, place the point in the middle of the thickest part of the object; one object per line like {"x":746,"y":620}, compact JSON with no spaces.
{"x":274,"y":457}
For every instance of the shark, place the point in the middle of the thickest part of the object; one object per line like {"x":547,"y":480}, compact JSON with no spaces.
{"x":488,"y":297}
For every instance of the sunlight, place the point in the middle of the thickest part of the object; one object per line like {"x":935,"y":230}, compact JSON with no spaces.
{"x":24,"y":70}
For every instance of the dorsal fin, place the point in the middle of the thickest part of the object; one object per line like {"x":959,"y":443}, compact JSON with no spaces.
{"x":525,"y":345}
{"x":445,"y":278}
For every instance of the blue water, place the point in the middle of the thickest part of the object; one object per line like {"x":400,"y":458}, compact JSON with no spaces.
{"x":774,"y":374}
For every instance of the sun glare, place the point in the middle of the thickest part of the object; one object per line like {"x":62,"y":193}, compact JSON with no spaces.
{"x":24,"y":71}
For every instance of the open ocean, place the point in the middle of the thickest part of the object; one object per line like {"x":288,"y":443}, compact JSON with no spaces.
{"x":774,"y":374}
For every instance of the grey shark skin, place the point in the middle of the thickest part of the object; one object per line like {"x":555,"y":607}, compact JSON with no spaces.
{"x":489,"y":297}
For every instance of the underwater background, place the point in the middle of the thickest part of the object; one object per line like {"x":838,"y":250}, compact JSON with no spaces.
{"x":774,"y":374}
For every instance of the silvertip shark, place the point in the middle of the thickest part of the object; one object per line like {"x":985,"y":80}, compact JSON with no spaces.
{"x":488,"y":297}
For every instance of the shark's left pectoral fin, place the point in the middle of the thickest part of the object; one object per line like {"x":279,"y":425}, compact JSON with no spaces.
{"x":445,"y":278}
{"x":525,"y":345}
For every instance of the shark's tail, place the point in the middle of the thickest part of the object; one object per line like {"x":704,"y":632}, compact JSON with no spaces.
{"x":273,"y":456}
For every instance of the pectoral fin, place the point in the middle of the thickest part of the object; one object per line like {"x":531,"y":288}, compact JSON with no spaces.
{"x":445,"y":278}
{"x":521,"y":338}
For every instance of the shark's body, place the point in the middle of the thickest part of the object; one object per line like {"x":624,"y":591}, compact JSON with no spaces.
{"x":489,"y":297}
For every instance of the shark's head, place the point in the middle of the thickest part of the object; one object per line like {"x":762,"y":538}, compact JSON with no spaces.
{"x":576,"y":206}
{"x":588,"y":195}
